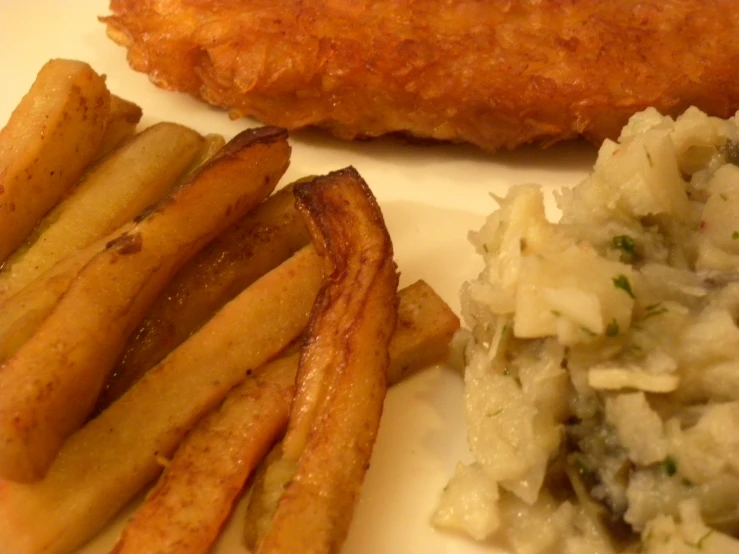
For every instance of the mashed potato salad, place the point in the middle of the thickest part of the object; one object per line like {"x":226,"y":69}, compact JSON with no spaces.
{"x":602,"y":360}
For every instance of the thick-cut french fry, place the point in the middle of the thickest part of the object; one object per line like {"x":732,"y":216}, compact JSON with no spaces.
{"x":342,"y":377}
{"x":236,"y":258}
{"x":121,"y":125}
{"x":22,"y":314}
{"x":52,"y":382}
{"x":192,"y":499}
{"x":212,"y":144}
{"x":186,"y":510}
{"x":424,"y":329}
{"x":116,"y":190}
{"x":107,"y":462}
{"x":51,"y":137}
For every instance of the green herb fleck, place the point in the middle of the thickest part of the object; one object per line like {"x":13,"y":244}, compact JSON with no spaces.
{"x":723,"y":196}
{"x":555,"y":313}
{"x":506,"y":372}
{"x":624,"y":243}
{"x":612,"y":329}
{"x":622,"y":282}
{"x":735,"y":235}
{"x":669,"y":464}
{"x":687,"y":482}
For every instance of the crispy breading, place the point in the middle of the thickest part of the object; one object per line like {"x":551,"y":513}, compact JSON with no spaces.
{"x":495,"y":73}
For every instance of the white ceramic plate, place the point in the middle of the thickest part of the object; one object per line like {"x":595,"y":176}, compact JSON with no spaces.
{"x":430,"y":196}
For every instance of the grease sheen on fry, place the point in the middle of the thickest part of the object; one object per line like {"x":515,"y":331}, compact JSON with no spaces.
{"x":237,"y":257}
{"x":425,"y":325}
{"x":121,"y":125}
{"x":116,"y":190}
{"x":342,"y":378}
{"x":54,"y":378}
{"x":192,"y":499}
{"x":51,"y":137}
{"x":98,"y":471}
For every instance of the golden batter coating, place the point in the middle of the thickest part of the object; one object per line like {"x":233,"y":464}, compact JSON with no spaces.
{"x":494,"y":73}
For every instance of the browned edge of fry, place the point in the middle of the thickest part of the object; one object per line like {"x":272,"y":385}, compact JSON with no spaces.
{"x":122,"y":122}
{"x":86,"y":330}
{"x":185,"y":511}
{"x":248,"y":249}
{"x":425,"y":327}
{"x":223,"y":449}
{"x":107,"y":462}
{"x":341,"y":379}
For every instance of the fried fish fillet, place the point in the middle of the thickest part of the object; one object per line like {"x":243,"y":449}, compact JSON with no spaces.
{"x":495,"y":73}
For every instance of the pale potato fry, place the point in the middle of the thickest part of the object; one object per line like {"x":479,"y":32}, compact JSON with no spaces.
{"x":423,"y":331}
{"x":51,"y":137}
{"x":192,"y":499}
{"x":121,"y":125}
{"x":212,"y":144}
{"x":116,"y":190}
{"x":425,"y":326}
{"x":235,"y":259}
{"x":107,"y":462}
{"x":53,"y":380}
{"x":22,"y":314}
{"x":342,"y":377}
{"x":186,"y":510}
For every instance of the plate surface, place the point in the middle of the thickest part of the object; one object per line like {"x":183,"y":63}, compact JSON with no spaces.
{"x":430,"y":196}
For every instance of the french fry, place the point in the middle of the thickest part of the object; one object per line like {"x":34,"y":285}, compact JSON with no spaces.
{"x":51,"y":383}
{"x":342,"y":377}
{"x":121,"y":125}
{"x":212,"y":144}
{"x":236,"y":258}
{"x":22,"y":314}
{"x":424,"y":329}
{"x":192,"y":499}
{"x":109,"y":460}
{"x":116,"y":190}
{"x":51,"y":137}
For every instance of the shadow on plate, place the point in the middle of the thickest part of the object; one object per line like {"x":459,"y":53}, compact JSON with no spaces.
{"x":568,"y":155}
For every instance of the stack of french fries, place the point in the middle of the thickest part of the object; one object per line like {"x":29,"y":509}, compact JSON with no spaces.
{"x":167,"y":318}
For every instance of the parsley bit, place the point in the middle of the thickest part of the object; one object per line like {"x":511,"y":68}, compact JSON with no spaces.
{"x":622,"y":282}
{"x":735,"y":235}
{"x":612,"y":329}
{"x":624,"y":243}
{"x":669,"y":464}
